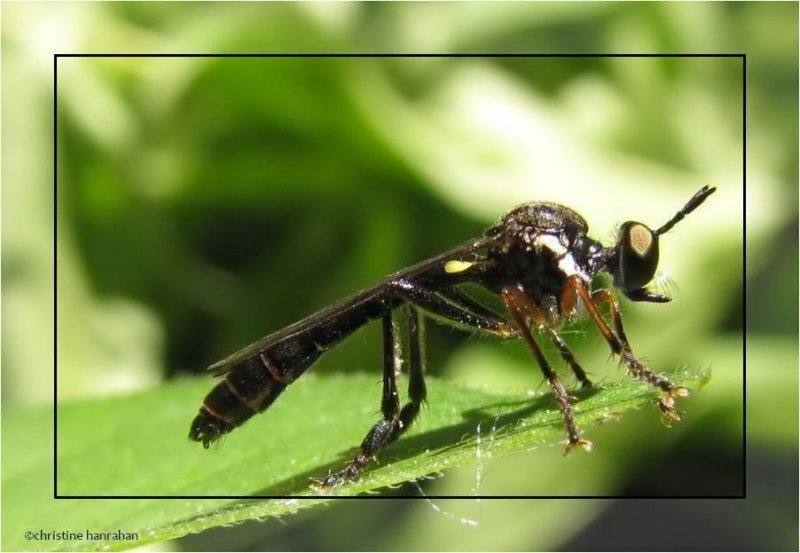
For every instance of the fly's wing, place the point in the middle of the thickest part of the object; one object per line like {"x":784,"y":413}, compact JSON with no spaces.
{"x":376,"y":291}
{"x":299,"y":328}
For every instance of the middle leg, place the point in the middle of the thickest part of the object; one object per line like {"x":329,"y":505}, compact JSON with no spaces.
{"x":569,"y":358}
{"x":518,"y":304}
{"x":453,"y":307}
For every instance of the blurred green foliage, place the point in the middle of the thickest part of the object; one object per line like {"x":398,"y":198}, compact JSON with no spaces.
{"x":466,"y":427}
{"x":203,"y":202}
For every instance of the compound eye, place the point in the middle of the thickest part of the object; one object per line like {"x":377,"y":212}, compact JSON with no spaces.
{"x":640,"y":240}
{"x":638,"y":256}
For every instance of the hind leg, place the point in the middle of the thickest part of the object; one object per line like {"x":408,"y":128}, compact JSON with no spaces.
{"x":395,"y":421}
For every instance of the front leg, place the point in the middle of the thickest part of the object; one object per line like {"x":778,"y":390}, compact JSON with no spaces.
{"x":620,"y":347}
{"x":607,"y":296}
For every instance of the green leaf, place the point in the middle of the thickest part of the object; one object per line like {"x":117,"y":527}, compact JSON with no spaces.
{"x":137,"y":446}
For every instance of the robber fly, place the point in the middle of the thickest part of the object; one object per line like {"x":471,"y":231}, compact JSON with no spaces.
{"x":538,"y":259}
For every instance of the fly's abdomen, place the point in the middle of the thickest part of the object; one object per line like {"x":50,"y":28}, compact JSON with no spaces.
{"x":250,"y":387}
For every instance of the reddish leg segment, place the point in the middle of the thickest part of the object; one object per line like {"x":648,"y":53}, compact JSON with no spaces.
{"x":620,"y":347}
{"x":519,"y":306}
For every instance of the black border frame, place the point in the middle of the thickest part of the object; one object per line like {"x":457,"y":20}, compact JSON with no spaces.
{"x":56,"y":57}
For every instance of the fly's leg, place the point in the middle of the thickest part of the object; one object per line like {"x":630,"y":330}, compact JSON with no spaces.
{"x":569,"y":358}
{"x":466,"y":303}
{"x":454,"y":306}
{"x":518,"y":304}
{"x":385,"y":429}
{"x":569,"y":300}
{"x":417,"y":392}
{"x":395,"y":420}
{"x":607,"y":297}
{"x":448,"y":305}
{"x":620,"y":347}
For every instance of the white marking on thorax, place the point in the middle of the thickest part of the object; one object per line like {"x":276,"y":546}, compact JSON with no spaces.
{"x":549,"y":242}
{"x":566,"y":262}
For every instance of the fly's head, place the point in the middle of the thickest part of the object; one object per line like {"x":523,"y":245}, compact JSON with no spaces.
{"x":633,"y":260}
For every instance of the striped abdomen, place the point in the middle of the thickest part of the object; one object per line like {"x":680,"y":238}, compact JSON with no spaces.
{"x":249,"y":388}
{"x":251,"y":385}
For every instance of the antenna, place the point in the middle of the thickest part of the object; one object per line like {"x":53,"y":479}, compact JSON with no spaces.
{"x":690,"y":206}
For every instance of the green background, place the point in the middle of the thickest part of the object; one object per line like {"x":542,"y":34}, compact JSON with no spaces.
{"x":204,"y":202}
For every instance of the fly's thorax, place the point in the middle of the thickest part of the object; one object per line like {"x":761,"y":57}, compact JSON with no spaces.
{"x":539,"y":228}
{"x":540,"y":217}
{"x":541,"y":244}
{"x":560,"y":252}
{"x":539,"y":263}
{"x":538,"y":247}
